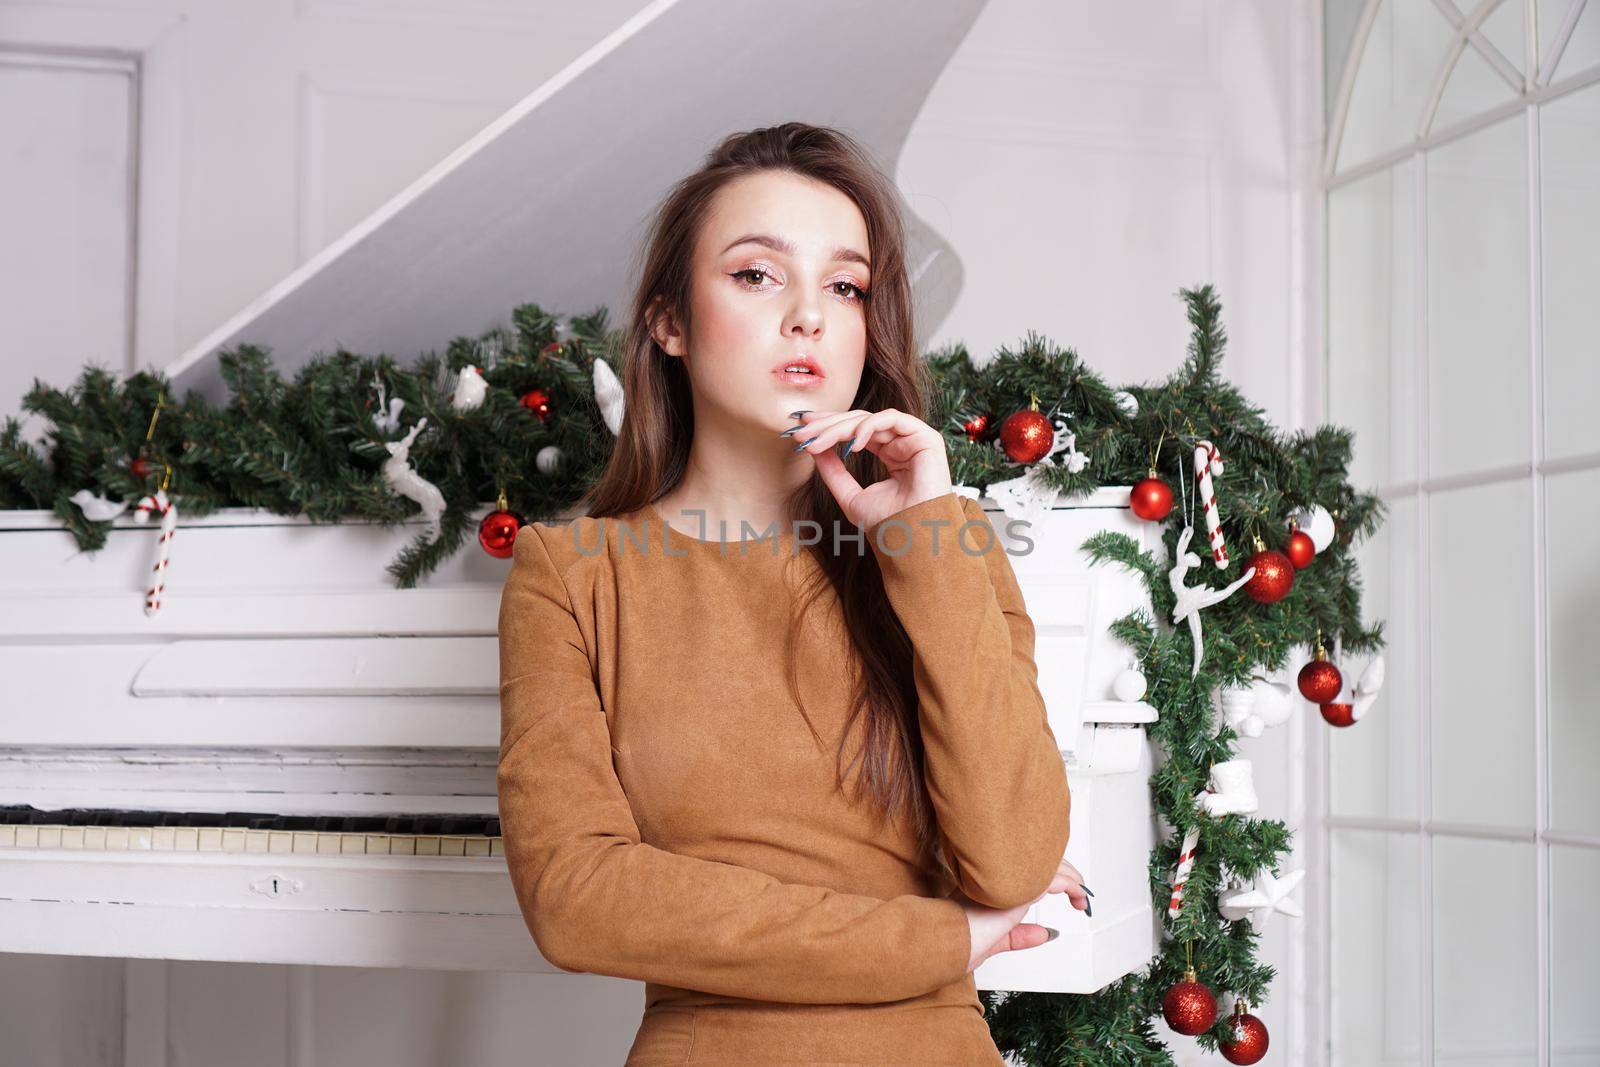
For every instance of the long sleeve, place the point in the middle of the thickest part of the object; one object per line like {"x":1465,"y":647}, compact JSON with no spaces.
{"x":596,"y":898}
{"x":993,"y":767}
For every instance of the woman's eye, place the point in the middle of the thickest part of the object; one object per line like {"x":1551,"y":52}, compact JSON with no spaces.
{"x":860,"y":293}
{"x":750,"y":270}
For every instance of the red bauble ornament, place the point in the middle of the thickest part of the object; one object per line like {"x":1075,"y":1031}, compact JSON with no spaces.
{"x":1027,"y":435}
{"x":976,"y":426}
{"x":1274,"y":576}
{"x":140,"y":467}
{"x":1151,"y":498}
{"x":1300,"y":549}
{"x":497,"y":532}
{"x":1189,"y":1007}
{"x":1320,"y":681}
{"x":538,"y":402}
{"x":1338,"y":714}
{"x":1247,"y":1037}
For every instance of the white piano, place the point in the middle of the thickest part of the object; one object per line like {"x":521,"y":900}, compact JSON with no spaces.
{"x":294,"y":761}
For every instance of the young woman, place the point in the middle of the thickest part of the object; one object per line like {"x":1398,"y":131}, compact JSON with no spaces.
{"x":801,"y":783}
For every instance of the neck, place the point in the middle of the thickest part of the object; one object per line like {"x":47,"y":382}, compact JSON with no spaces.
{"x":735,"y":474}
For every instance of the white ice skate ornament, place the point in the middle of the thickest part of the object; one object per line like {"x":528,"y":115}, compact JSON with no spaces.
{"x":470,"y":389}
{"x":1232,"y":791}
{"x":388,"y":418}
{"x":1250,"y":709}
{"x":1269,"y":895}
{"x":398,"y":472}
{"x":97,"y":508}
{"x":1190,"y":599}
{"x":608,"y":394}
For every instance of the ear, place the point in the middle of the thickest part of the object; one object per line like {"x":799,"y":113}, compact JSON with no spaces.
{"x":664,"y":330}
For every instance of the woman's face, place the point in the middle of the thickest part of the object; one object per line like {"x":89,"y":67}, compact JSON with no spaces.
{"x":780,"y":268}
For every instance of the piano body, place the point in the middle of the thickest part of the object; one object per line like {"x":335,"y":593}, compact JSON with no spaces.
{"x":294,"y":761}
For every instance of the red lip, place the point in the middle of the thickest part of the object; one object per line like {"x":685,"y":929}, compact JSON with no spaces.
{"x":801,"y":361}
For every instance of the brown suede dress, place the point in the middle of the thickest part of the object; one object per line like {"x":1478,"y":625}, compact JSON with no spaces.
{"x":669,"y":817}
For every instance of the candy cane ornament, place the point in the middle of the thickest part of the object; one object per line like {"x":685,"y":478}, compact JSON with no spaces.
{"x":168,"y":511}
{"x":1185,"y":864}
{"x":1208,"y":462}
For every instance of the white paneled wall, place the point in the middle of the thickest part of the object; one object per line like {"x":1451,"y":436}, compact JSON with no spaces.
{"x":1084,"y":159}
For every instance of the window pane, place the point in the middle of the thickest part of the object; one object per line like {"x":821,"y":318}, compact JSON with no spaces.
{"x":1485,"y":933}
{"x":1376,"y":943}
{"x":1570,"y":179}
{"x":1572,"y":514}
{"x":1403,"y":52}
{"x":1583,"y":47}
{"x":1481,"y":641}
{"x":1574,"y":948}
{"x":1373,"y":765}
{"x":1478,"y":365}
{"x":1372,"y":350}
{"x":1475,"y":86}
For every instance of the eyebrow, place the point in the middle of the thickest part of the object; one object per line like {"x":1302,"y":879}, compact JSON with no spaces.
{"x":778,"y":244}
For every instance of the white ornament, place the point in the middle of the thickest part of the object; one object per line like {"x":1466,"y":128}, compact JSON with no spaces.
{"x":1250,"y":709}
{"x":1067,"y":444}
{"x":97,"y":508}
{"x":1190,"y":599}
{"x":159,"y":504}
{"x":1025,"y":498}
{"x":1269,"y":895}
{"x":1232,"y":790}
{"x":1126,"y":402}
{"x":1317,"y":524}
{"x":1365,"y":693}
{"x":470,"y":389}
{"x":548,"y":459}
{"x":967,"y":491}
{"x":398,"y":472}
{"x":1130,"y":685}
{"x":608,"y":394}
{"x":387,"y":420}
{"x":1238,"y":711}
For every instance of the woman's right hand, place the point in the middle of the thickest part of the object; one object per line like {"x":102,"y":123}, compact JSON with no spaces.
{"x":995,"y":930}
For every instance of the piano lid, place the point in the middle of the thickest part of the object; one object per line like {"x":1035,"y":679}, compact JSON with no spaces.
{"x":550,"y":202}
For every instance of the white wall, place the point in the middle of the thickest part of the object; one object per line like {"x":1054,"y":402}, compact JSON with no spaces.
{"x":1085,"y":160}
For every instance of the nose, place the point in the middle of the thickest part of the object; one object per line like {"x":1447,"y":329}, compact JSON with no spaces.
{"x":805,"y":318}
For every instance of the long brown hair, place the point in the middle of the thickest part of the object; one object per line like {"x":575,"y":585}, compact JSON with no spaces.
{"x":652,"y":449}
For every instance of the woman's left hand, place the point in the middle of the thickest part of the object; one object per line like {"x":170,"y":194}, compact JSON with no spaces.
{"x":912,"y":451}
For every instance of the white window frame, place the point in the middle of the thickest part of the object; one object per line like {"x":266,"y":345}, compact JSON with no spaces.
{"x":1533,"y":90}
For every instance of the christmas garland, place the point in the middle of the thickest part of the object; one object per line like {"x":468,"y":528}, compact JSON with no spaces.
{"x":525,"y":416}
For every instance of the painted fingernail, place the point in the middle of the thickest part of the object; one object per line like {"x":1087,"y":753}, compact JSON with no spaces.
{"x":1088,"y":908}
{"x":801,"y":445}
{"x":849,"y":446}
{"x":1086,"y":889}
{"x":797,"y":414}
{"x":791,"y":430}
{"x":1051,"y":933}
